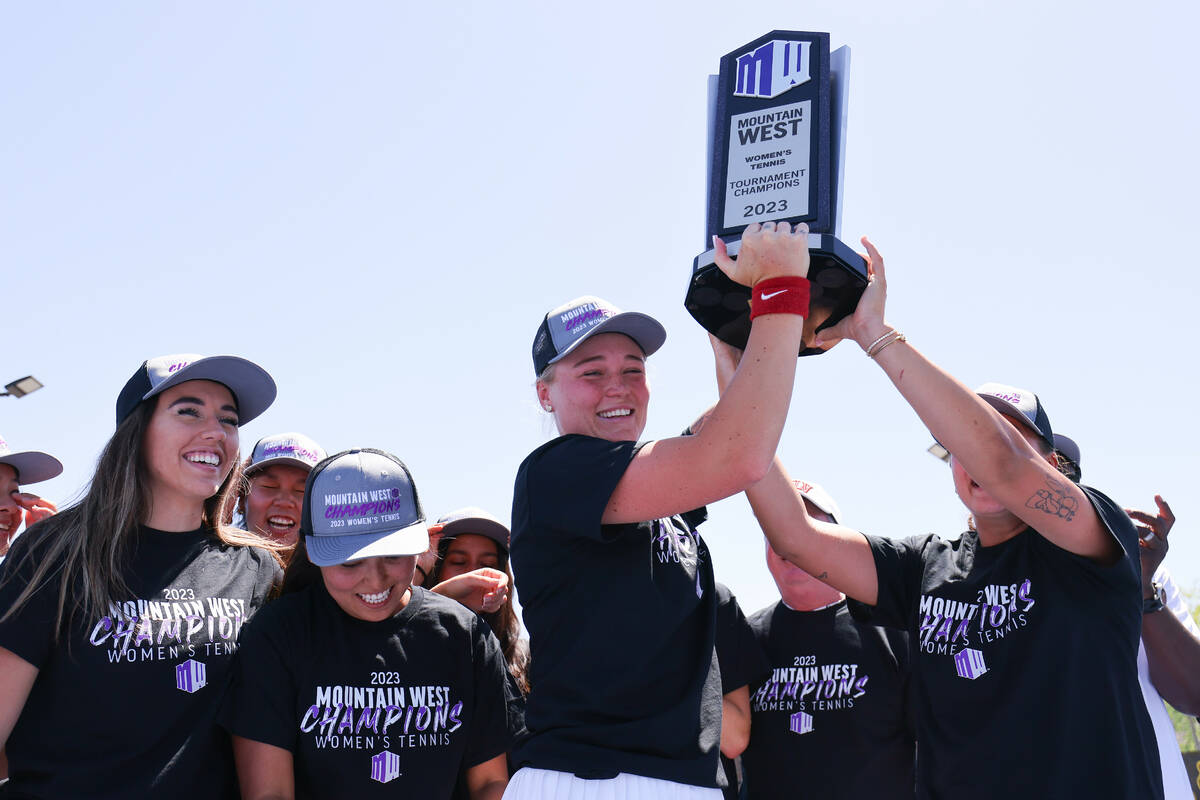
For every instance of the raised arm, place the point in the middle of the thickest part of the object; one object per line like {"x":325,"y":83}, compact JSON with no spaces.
{"x":1171,"y":638}
{"x":736,"y":446}
{"x":834,"y":554}
{"x":993,"y":452}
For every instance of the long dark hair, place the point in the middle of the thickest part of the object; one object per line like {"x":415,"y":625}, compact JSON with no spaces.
{"x":503,"y":622}
{"x":90,"y":543}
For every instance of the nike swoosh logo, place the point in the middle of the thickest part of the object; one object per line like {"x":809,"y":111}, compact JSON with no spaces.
{"x":765,"y":296}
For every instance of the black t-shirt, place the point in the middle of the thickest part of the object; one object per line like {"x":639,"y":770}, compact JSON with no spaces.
{"x":741,"y":661}
{"x":1024,"y":666}
{"x":372,"y":709}
{"x":621,"y":621}
{"x":830,"y":720}
{"x":125,"y":705}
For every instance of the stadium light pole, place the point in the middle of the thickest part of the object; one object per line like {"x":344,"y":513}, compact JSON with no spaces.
{"x":21,"y":387}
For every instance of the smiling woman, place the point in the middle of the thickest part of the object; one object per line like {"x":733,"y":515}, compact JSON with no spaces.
{"x":122,"y":613}
{"x":270,"y":495}
{"x":16,"y":468}
{"x":354,"y":662}
{"x":632,"y":695}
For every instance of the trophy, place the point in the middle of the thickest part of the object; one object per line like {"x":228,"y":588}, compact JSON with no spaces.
{"x":776,"y":136}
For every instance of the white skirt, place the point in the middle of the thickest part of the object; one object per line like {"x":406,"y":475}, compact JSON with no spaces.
{"x":535,"y":784}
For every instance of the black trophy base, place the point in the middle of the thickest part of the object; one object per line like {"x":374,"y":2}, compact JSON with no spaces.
{"x":837,"y":274}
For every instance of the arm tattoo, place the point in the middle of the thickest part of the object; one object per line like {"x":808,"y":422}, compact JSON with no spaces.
{"x":1054,"y":500}
{"x":823,"y":575}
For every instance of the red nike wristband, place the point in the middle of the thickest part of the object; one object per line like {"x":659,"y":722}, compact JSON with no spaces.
{"x":785,"y":295}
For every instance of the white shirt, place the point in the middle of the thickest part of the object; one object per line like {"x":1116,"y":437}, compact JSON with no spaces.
{"x":1175,"y":776}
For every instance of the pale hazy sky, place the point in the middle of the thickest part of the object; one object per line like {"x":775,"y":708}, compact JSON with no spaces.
{"x":378,"y":201}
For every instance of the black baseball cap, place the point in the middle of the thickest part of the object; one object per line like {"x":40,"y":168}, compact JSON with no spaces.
{"x":477,"y":521}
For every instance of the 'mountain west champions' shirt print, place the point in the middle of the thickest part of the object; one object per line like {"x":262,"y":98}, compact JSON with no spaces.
{"x":396,"y":708}
{"x":832,"y":714}
{"x":1019,"y":648}
{"x":125,"y":704}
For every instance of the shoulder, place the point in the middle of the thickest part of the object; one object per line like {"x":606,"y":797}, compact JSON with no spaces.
{"x":574,"y":449}
{"x":1113,"y":517}
{"x":247,"y":553}
{"x":922,"y":547}
{"x":760,"y":620}
{"x":297,"y":608}
{"x":443,"y":607}
{"x":31,"y":549}
{"x":724,"y":595}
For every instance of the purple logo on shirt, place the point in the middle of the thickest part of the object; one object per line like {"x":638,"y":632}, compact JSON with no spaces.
{"x":191,"y":676}
{"x":969,"y":663}
{"x":801,"y":722}
{"x":385,"y":766}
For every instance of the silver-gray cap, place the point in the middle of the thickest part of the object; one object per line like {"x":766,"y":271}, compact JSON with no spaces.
{"x":571,"y":324}
{"x":253,"y":389}
{"x":361,"y":504}
{"x":291,"y":449}
{"x":32,"y":466}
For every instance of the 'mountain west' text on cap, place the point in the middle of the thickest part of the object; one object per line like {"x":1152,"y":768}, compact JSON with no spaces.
{"x":291,"y":449}
{"x":361,"y":504}
{"x":568,"y":326}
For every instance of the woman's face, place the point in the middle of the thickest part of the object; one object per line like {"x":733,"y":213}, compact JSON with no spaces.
{"x":10,"y":513}
{"x":372,"y":589}
{"x":468,"y":552}
{"x":274,"y":500}
{"x":600,"y":389}
{"x":191,"y":443}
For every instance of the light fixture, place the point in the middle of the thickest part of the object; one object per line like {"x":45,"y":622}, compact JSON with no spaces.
{"x":21,"y":387}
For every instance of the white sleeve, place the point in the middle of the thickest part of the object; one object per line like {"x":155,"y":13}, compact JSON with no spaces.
{"x":1175,"y":600}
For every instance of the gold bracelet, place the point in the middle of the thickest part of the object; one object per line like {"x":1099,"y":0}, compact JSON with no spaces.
{"x":899,"y":337}
{"x":886,"y":334}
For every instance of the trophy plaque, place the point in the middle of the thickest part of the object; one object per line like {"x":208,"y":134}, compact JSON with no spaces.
{"x":776,"y":136}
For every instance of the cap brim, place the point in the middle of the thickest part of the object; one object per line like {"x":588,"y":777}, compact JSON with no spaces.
{"x":33,"y":466}
{"x":1012,"y":412}
{"x":642,"y":328}
{"x":286,"y":461}
{"x":252,"y":387}
{"x":480,"y":526}
{"x":329,"y":551}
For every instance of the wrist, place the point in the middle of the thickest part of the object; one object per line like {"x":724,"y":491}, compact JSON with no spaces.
{"x":1157,"y":600}
{"x":780,"y":295}
{"x":868,"y":335}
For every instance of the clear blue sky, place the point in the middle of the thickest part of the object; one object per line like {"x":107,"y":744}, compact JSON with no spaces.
{"x":378,"y":201}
